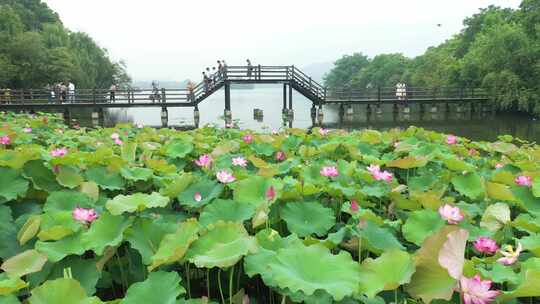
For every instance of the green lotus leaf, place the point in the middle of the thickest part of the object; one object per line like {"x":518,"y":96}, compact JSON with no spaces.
{"x":146,"y":234}
{"x":107,"y":230}
{"x":408,"y":162}
{"x":174,"y":246}
{"x":9,"y":246}
{"x":83,"y":270}
{"x":42,"y":177}
{"x":307,"y":218}
{"x":58,"y":250}
{"x":227,"y":211}
{"x":129,"y":151}
{"x":498,"y":191}
{"x":66,"y":201}
{"x":529,"y":280}
{"x":526,"y":199}
{"x":387,"y":272}
{"x":208,"y":189}
{"x":525,"y":222}
{"x":57,"y":225}
{"x":61,"y":291}
{"x":421,"y":224}
{"x":455,"y":164}
{"x":179,"y":148}
{"x":16,"y":159}
{"x":179,"y":184}
{"x":223,"y":245}
{"x":378,"y":190}
{"x":495,"y":217}
{"x":531,"y":243}
{"x":12,"y":184}
{"x":293,"y":268}
{"x":10,"y":285}
{"x":9,"y":299}
{"x":24,"y":263}
{"x":431,"y":280}
{"x":136,"y":174}
{"x":265,"y":149}
{"x":252,"y":190}
{"x":470,"y":185}
{"x":69,"y":177}
{"x":160,"y":287}
{"x":379,"y":239}
{"x":136,"y":202}
{"x":536,"y":187}
{"x":105,"y":178}
{"x":500,"y":273}
{"x":29,"y":229}
{"x":91,"y":189}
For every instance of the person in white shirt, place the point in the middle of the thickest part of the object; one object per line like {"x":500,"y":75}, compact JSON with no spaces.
{"x":71,"y":92}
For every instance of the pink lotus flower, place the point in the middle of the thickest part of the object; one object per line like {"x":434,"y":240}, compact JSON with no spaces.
{"x":248,"y":138}
{"x":118,"y":142}
{"x":27,"y":130}
{"x":473,"y":152}
{"x":5,"y":140}
{"x":239,"y":161}
{"x":451,"y":214}
{"x":373,"y":169}
{"x":323,"y":132}
{"x":228,"y":125}
{"x":85,"y":216}
{"x":451,"y":139}
{"x":523,"y":180}
{"x":476,"y":291}
{"x":204,"y":161}
{"x":384,"y":175}
{"x":77,"y":126}
{"x":197,"y":197}
{"x":485,"y":245}
{"x":396,"y":144}
{"x":115,"y":136}
{"x":380,"y":175}
{"x":499,"y":166}
{"x":270,"y":193}
{"x":329,"y":171}
{"x":225,"y":177}
{"x":509,"y":255}
{"x":275,"y":132}
{"x":60,"y":152}
{"x":280,"y":156}
{"x":354,"y":206}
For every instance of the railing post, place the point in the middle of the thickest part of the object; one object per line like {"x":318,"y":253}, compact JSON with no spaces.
{"x":163,"y":96}
{"x":259,"y":71}
{"x":379,"y":94}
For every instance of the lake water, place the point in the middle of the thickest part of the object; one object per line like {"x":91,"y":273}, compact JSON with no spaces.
{"x":478,"y":125}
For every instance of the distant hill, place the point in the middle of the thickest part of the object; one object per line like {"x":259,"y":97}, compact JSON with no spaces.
{"x":318,"y":70}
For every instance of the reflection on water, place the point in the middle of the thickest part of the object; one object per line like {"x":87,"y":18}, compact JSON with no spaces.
{"x":478,"y":125}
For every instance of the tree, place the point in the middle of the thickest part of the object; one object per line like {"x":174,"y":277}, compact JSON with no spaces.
{"x":383,"y":70}
{"x":344,"y":70}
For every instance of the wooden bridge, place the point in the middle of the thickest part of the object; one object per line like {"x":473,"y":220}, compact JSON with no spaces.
{"x":290,"y":77}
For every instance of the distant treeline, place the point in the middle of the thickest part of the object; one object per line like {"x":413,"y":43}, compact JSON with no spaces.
{"x":498,"y":49}
{"x":36,"y":49}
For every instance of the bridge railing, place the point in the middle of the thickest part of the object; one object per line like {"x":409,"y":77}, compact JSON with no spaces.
{"x":415,"y":93}
{"x":37,"y":96}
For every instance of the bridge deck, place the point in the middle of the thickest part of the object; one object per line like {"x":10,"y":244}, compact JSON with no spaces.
{"x":288,"y":75}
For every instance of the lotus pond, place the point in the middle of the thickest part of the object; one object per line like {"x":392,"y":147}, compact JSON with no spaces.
{"x":141,"y":215}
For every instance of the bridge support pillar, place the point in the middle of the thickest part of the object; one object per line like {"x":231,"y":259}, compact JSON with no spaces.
{"x":379,"y":109}
{"x":227,"y":99}
{"x":350,"y":110}
{"x":164,"y":117}
{"x":320,"y":114}
{"x":433,"y":108}
{"x":284,"y":109}
{"x":97,"y":117}
{"x":196,"y":115}
{"x":406,"y":109}
{"x":313,"y":111}
{"x":459,"y":108}
{"x":395,"y":108}
{"x":341,"y":109}
{"x":447,"y":107}
{"x":67,"y":116}
{"x":368,"y":108}
{"x":290,"y":98}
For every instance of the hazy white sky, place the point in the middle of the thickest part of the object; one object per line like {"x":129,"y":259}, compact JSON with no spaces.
{"x":176,"y":39}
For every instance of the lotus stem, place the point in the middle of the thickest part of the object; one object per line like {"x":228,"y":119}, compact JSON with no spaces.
{"x":359,"y":249}
{"x":208,"y":283}
{"x":188,"y":275}
{"x":122,"y":273}
{"x":219,"y":286}
{"x":283,"y":299}
{"x":231,"y":276}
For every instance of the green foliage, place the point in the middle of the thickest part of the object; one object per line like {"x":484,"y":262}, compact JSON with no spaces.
{"x":37,"y":49}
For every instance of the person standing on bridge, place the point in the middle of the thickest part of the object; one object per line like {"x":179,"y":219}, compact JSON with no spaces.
{"x":206,"y":82}
{"x":71,"y":92}
{"x":190,"y":88}
{"x":224,"y":68}
{"x":249,"y":68}
{"x":63,"y":92}
{"x":220,"y":69}
{"x":112,"y":92}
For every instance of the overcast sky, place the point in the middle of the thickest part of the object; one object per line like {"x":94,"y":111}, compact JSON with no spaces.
{"x":175,"y":39}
